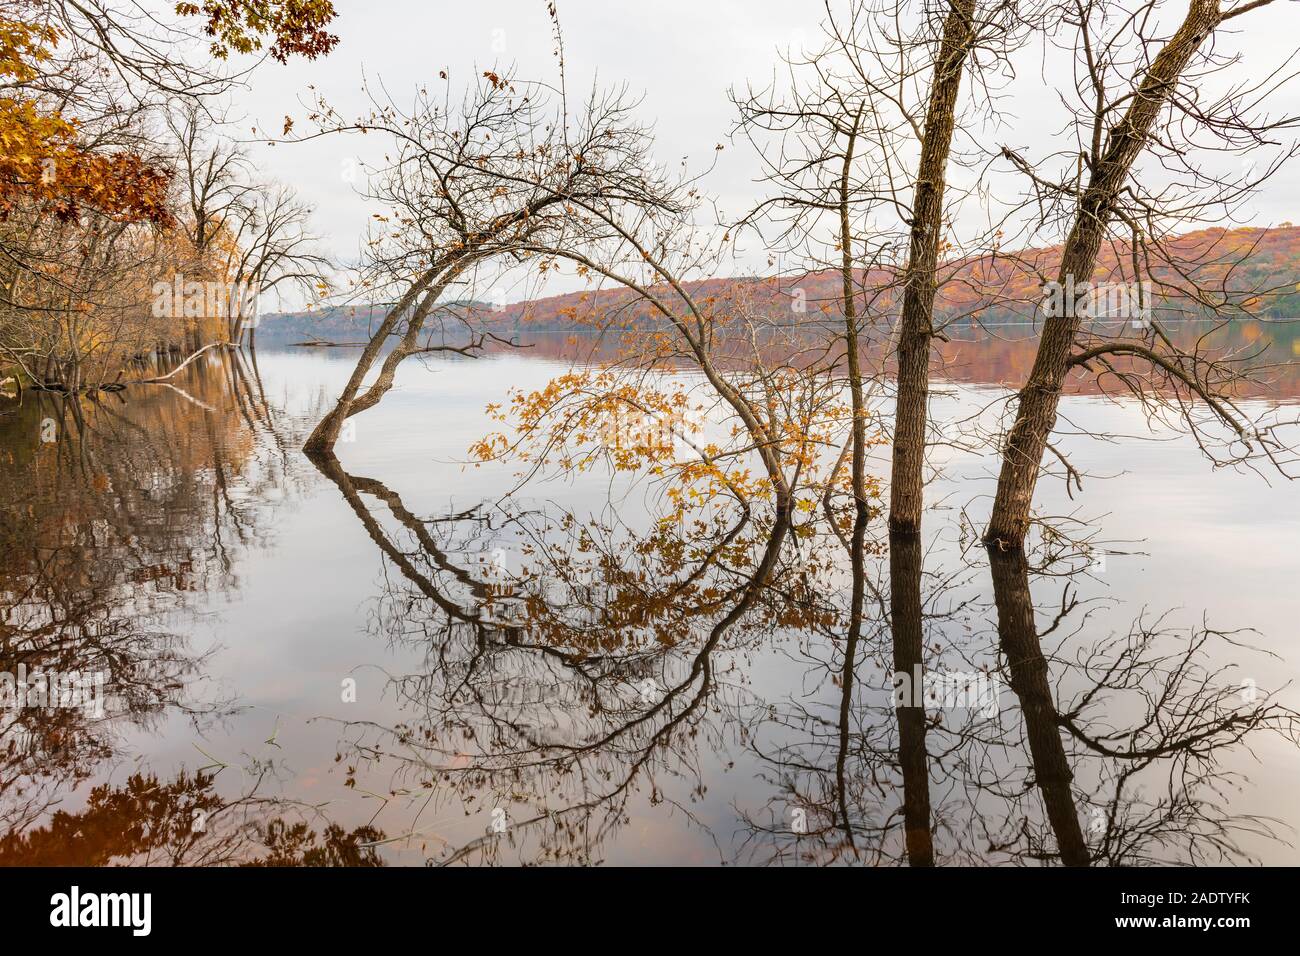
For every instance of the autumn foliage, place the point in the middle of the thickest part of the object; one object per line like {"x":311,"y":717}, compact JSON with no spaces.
{"x":42,"y":157}
{"x":296,"y":27}
{"x":94,"y":209}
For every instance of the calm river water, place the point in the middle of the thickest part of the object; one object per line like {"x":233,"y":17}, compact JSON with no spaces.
{"x":395,"y":661}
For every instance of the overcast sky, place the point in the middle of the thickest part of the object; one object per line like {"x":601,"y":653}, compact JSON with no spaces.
{"x":682,"y":55}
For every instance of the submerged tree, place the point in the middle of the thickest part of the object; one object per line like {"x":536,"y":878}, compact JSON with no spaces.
{"x":1140,"y":95}
{"x":487,"y":181}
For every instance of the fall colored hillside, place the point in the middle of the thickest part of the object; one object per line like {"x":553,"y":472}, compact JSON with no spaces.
{"x":1249,"y":272}
{"x":1253,"y":271}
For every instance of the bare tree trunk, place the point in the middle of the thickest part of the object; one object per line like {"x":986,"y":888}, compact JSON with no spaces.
{"x":906,"y":492}
{"x":326,"y":433}
{"x":409,"y":345}
{"x":1038,"y":400}
{"x":907,"y":621}
{"x":847,"y":674}
{"x":851,"y":347}
{"x":1018,"y":636}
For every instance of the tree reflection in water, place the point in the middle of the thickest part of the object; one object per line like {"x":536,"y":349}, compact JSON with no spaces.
{"x":610,"y":663}
{"x":1109,"y":751}
{"x":553,"y":692}
{"x":583,"y":680}
{"x":116,"y":516}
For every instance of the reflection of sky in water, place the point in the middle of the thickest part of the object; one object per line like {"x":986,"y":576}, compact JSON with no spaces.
{"x":1204,"y":543}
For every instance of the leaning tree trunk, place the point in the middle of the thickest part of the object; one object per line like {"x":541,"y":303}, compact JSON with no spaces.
{"x":1018,"y":636}
{"x":916,"y":327}
{"x":326,"y":433}
{"x":1038,"y":399}
{"x":409,"y":345}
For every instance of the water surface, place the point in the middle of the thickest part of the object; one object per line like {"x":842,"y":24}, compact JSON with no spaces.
{"x":395,"y":659}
